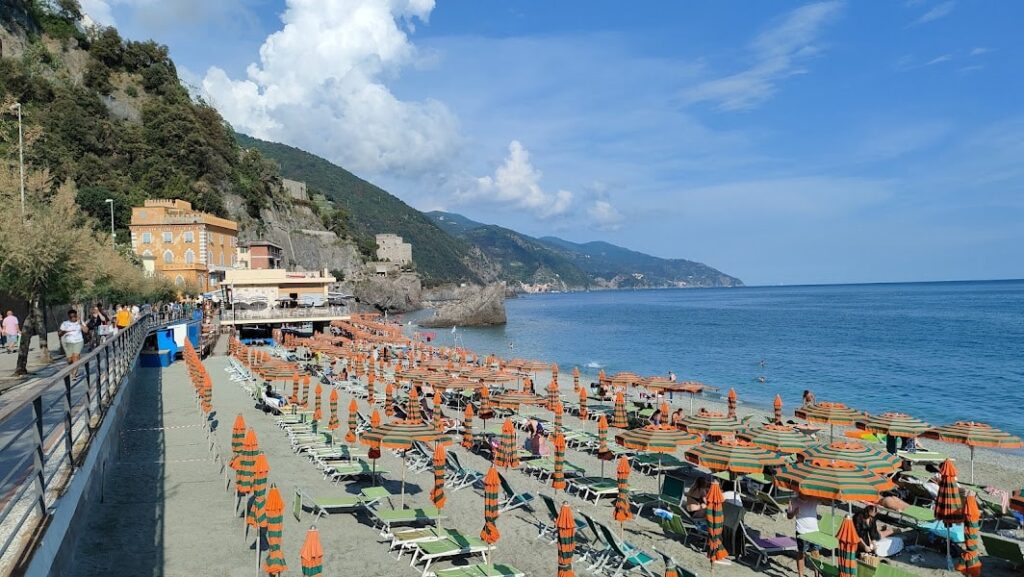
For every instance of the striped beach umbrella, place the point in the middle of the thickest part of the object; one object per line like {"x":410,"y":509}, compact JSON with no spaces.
{"x":559,"y":412}
{"x":389,"y":399}
{"x":565,"y":524}
{"x":353,"y":412}
{"x":827,"y":413}
{"x":1017,"y":503}
{"x":467,"y":427}
{"x":655,"y":438}
{"x":507,"y":454}
{"x":621,"y":512}
{"x":619,"y":419}
{"x":575,"y":379}
{"x":438,"y":415}
{"x":974,"y":435}
{"x":492,"y":486}
{"x":370,"y":392}
{"x":777,"y":438}
{"x":732,"y":403}
{"x":317,"y":403}
{"x":312,"y":554}
{"x":437,"y":496}
{"x":256,"y":515}
{"x":583,"y":403}
{"x":207,"y":394}
{"x":948,"y":506}
{"x":412,"y":406}
{"x":558,"y":477}
{"x":715,"y":516}
{"x":513,"y":399}
{"x":832,"y":480}
{"x":486,"y":409}
{"x":245,"y":462}
{"x":893,"y":425}
{"x":777,"y":405}
{"x":711,"y":423}
{"x":275,"y":564}
{"x":602,"y":440}
{"x":401,"y":435}
{"x":857,"y":453}
{"x":305,"y":390}
{"x":238,"y":434}
{"x":553,"y":392}
{"x":295,"y":390}
{"x":970,"y":560}
{"x":848,"y":542}
{"x":733,"y":455}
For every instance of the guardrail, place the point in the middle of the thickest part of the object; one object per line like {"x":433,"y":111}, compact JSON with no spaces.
{"x":45,"y":431}
{"x":282,"y":313}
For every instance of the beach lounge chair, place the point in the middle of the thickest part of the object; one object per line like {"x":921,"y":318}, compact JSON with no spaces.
{"x":460,"y":477}
{"x":385,"y":519}
{"x":1004,"y":549}
{"x":479,"y":570}
{"x":593,"y":488}
{"x":405,"y":538}
{"x":453,"y":545}
{"x":511,"y":499}
{"x":772,"y":505}
{"x":550,"y":531}
{"x":673,"y":491}
{"x":345,"y":470}
{"x":820,"y":566}
{"x":670,"y":563}
{"x":651,"y":464}
{"x":682,"y":526}
{"x":324,"y":506}
{"x":910,"y":517}
{"x":544,"y":468}
{"x":764,"y":548}
{"x":922,"y":457}
{"x":625,"y":556}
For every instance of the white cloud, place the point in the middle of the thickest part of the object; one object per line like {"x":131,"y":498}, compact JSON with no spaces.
{"x":979,"y":50}
{"x":778,"y":53}
{"x":604,"y":215}
{"x":516,"y":183}
{"x":320,"y":85}
{"x":938,"y":11}
{"x":939,"y":59}
{"x":100,"y":11}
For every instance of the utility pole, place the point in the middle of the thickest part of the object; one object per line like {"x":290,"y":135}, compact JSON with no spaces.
{"x":21,"y":157}
{"x":113,"y":235}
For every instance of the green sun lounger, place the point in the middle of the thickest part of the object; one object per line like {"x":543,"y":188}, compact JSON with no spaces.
{"x":427,"y":552}
{"x":593,"y":488}
{"x":1004,"y":549}
{"x":324,"y":506}
{"x":479,"y":570}
{"x":385,"y":519}
{"x":922,"y":456}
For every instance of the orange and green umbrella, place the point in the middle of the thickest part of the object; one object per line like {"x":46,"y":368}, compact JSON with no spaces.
{"x":370,"y":392}
{"x":857,"y":453}
{"x":575,"y":378}
{"x":621,"y":512}
{"x":244,"y":462}
{"x":438,"y":416}
{"x":733,"y":455}
{"x":353,"y":412}
{"x":305,"y":390}
{"x":492,"y":485}
{"x":553,"y":391}
{"x":389,"y":394}
{"x":374,"y":452}
{"x":583,"y":403}
{"x":970,"y":560}
{"x":848,"y":542}
{"x":256,"y":513}
{"x":894,"y":425}
{"x":412,"y":407}
{"x":658,"y":439}
{"x":275,"y":564}
{"x":401,"y":435}
{"x":558,"y":477}
{"x":559,"y":412}
{"x":732,"y":403}
{"x":437,"y":496}
{"x":238,"y":434}
{"x":832,"y":480}
{"x":948,"y":505}
{"x":467,"y":427}
{"x":712,"y":424}
{"x":295,"y":390}
{"x":565,"y":524}
{"x":1017,"y":503}
{"x":975,"y":435}
{"x":827,"y":413}
{"x":507,"y":454}
{"x":317,"y":413}
{"x":777,"y":405}
{"x":513,"y":399}
{"x":603,"y":454}
{"x":715,"y":516}
{"x":619,"y":419}
{"x":312,"y":555}
{"x":778,"y":438}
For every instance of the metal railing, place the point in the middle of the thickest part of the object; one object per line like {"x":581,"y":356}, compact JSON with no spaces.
{"x":45,"y":431}
{"x":281,"y":313}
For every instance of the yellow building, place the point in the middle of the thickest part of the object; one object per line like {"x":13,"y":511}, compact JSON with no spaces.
{"x":187,"y":246}
{"x":278,"y":287}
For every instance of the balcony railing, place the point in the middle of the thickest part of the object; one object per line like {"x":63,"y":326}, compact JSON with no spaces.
{"x":284,"y":313}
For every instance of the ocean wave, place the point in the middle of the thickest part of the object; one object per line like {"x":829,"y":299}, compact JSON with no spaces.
{"x":594,"y":365}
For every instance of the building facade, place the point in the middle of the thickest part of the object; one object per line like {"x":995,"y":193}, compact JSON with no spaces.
{"x":190,"y":247}
{"x":278,"y":287}
{"x":296,"y":189}
{"x":390,"y":248}
{"x":259,"y":254}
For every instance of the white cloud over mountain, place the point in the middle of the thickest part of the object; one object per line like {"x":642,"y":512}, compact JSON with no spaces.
{"x":516,"y":183}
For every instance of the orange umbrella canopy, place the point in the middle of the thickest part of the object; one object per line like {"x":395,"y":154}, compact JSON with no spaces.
{"x":312,"y":554}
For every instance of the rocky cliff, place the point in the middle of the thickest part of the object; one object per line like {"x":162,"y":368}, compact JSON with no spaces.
{"x":470,"y":306}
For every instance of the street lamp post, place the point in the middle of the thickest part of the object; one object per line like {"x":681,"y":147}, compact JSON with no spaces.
{"x":113,"y":235}
{"x":21,"y":157}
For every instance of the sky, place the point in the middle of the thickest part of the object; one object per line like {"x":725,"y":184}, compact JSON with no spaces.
{"x":780,"y":142}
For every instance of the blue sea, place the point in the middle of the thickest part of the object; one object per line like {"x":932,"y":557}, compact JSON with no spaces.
{"x":939,"y":351}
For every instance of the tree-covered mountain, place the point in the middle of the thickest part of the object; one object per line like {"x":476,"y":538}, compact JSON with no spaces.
{"x":563,"y":264}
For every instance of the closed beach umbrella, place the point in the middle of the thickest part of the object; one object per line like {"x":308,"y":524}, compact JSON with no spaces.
{"x":715,"y":516}
{"x":412,"y":406}
{"x":305,"y":390}
{"x":374,"y":452}
{"x":552,"y":393}
{"x":832,"y":481}
{"x":507,"y":454}
{"x":975,"y":435}
{"x":257,"y":513}
{"x":970,"y":561}
{"x":467,"y":427}
{"x":777,"y":438}
{"x":275,"y":564}
{"x":438,"y":416}
{"x":375,"y":419}
{"x":778,"y":409}
{"x":583,"y":403}
{"x":238,"y":434}
{"x":602,"y":439}
{"x":492,"y":485}
{"x":317,"y":413}
{"x":894,"y":425}
{"x":575,"y":378}
{"x":732,"y":403}
{"x":370,"y":393}
{"x":245,"y":462}
{"x":948,"y":505}
{"x":619,"y":419}
{"x":295,"y":390}
{"x":389,"y":400}
{"x":733,"y":455}
{"x":857,"y":453}
{"x":1017,"y":503}
{"x":848,"y":542}
{"x":312,"y":554}
{"x":558,"y":477}
{"x":622,"y":512}
{"x":828,"y":413}
{"x":207,"y":394}
{"x":711,"y":423}
{"x":353,"y":411}
{"x":565,"y":523}
{"x":437,"y":496}
{"x":559,"y":412}
{"x":486,"y":410}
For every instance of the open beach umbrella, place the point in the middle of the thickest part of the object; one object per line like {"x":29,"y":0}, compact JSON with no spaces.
{"x":575,"y":379}
{"x":583,"y":404}
{"x":437,"y":496}
{"x":467,"y":427}
{"x":256,"y":512}
{"x":295,"y":390}
{"x":317,"y":414}
{"x":881,"y":462}
{"x":401,"y":435}
{"x":553,"y":392}
{"x":734,"y":456}
{"x":893,"y":424}
{"x":777,"y":405}
{"x":732,"y":403}
{"x":565,"y":524}
{"x":513,"y":399}
{"x":658,"y":439}
{"x":389,"y":400}
{"x":975,"y":435}
{"x":715,"y":516}
{"x":693,"y":388}
{"x":621,"y":512}
{"x":970,"y":561}
{"x":353,"y":411}
{"x":438,"y":415}
{"x":507,"y":454}
{"x":275,"y":564}
{"x":305,"y":390}
{"x":848,"y":542}
{"x":712,"y":424}
{"x":558,"y":477}
{"x":238,"y":434}
{"x":492,"y":485}
{"x":312,"y":554}
{"x":948,"y":506}
{"x":619,"y":419}
{"x":827,"y":413}
{"x":832,"y":481}
{"x":777,"y":438}
{"x":559,"y":412}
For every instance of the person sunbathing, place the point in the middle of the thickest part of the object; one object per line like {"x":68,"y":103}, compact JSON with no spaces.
{"x":697,"y":497}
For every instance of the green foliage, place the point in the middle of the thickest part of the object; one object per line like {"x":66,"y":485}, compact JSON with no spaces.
{"x":97,"y":77}
{"x":60,"y":22}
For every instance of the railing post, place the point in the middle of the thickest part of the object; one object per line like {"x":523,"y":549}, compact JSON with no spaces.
{"x":37,"y":464}
{"x":88,"y":391}
{"x":69,"y":438}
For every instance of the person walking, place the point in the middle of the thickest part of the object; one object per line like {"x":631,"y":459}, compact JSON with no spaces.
{"x":99,"y":325}
{"x":12,"y":331}
{"x":72,"y":337}
{"x":804,"y":510}
{"x":123,"y":318}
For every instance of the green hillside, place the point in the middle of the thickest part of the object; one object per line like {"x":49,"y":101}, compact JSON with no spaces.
{"x":439,"y":257}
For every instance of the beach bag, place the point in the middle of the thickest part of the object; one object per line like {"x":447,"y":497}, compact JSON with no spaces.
{"x":105,"y":330}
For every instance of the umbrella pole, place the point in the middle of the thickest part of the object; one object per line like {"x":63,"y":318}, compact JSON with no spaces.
{"x":257,"y":551}
{"x":404,"y":467}
{"x":972,"y":464}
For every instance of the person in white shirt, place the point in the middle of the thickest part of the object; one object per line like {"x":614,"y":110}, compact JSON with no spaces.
{"x":805,"y":511}
{"x":72,"y":337}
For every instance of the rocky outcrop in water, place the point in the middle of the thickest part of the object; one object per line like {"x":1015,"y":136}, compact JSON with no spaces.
{"x":472,"y":306}
{"x":395,"y":294}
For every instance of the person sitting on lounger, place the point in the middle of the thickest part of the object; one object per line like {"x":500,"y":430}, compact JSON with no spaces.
{"x":697,"y":497}
{"x":677,"y":418}
{"x":657,"y":417}
{"x":273,"y":399}
{"x":875,"y":539}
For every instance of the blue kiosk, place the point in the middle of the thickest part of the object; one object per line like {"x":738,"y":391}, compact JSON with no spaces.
{"x":165,"y":343}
